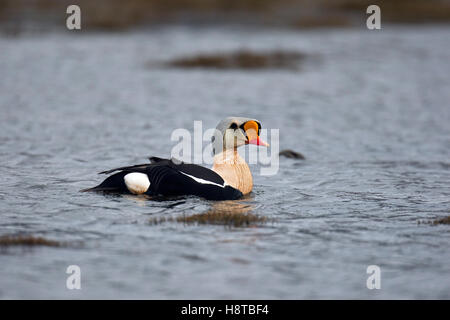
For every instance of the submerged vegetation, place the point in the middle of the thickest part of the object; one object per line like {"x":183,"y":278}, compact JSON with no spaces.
{"x":242,"y":59}
{"x":223,"y":218}
{"x":229,"y":219}
{"x":438,"y":221}
{"x":445,"y":220}
{"x":28,"y":241}
{"x":227,"y":213}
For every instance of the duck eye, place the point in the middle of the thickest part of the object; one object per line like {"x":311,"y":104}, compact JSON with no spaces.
{"x":233,"y":126}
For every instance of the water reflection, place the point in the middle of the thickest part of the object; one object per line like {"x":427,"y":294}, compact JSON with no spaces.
{"x":228,"y":213}
{"x":140,"y":200}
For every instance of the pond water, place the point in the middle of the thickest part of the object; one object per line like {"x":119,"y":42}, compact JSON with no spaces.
{"x":368,"y":109}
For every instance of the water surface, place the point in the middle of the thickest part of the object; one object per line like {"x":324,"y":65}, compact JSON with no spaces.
{"x":369,"y":110}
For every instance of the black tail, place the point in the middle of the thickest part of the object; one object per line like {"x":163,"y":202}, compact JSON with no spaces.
{"x":157,"y":159}
{"x":114,"y":183}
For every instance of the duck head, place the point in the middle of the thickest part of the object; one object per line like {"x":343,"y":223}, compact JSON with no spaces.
{"x":233,"y":132}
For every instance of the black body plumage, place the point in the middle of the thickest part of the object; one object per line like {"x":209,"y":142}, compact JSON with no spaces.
{"x":171,"y":178}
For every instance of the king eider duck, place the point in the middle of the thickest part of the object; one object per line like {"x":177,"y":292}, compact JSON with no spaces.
{"x":229,"y":179}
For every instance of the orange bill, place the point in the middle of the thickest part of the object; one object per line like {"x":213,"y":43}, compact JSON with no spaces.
{"x":251,"y":129}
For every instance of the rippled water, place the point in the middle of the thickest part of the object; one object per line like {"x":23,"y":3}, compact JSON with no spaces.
{"x":368,"y":109}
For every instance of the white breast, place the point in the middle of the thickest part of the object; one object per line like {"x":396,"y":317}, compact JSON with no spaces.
{"x":137,"y":182}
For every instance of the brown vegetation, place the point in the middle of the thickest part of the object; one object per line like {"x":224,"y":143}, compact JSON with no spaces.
{"x":118,"y":14}
{"x":223,"y":218}
{"x":18,"y":240}
{"x":445,"y":220}
{"x":227,"y":213}
{"x":435,"y":222}
{"x":230,"y":219}
{"x":403,"y":11}
{"x":240,"y":60}
{"x":323,"y":21}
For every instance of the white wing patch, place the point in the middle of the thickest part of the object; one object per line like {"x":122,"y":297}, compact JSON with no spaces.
{"x":137,"y":182}
{"x":199,"y":180}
